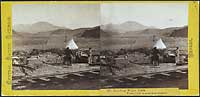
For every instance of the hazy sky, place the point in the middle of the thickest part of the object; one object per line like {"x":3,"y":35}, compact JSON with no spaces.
{"x":68,"y":15}
{"x":160,"y":15}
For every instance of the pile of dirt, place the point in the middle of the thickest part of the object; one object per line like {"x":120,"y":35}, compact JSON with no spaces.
{"x":182,"y":32}
{"x":92,"y":33}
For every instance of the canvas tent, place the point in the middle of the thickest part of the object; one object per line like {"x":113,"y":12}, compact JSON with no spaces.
{"x":71,"y":44}
{"x":159,"y":44}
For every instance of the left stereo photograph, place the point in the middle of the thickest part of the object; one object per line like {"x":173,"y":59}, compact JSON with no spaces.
{"x":56,"y":46}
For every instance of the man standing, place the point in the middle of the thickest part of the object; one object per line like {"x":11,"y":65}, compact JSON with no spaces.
{"x":155,"y":56}
{"x":68,"y":56}
{"x":90,"y":56}
{"x":177,"y":55}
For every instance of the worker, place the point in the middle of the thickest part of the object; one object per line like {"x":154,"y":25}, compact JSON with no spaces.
{"x":177,"y":58}
{"x":90,"y":56}
{"x":155,"y":56}
{"x":68,"y":56}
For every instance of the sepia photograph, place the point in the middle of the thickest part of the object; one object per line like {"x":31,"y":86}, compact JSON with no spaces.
{"x":144,"y":45}
{"x":99,"y":46}
{"x":56,"y":46}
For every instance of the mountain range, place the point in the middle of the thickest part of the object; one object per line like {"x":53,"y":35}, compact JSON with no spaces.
{"x":36,"y":27}
{"x":46,"y":33}
{"x":124,"y":27}
{"x":168,"y":32}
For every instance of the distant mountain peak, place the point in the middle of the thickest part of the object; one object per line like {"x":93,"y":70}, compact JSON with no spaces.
{"x":41,"y":26}
{"x":124,"y":27}
{"x":131,"y":22}
{"x":42,"y":23}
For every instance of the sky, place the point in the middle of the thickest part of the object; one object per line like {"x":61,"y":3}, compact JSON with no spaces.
{"x":159,"y":15}
{"x":65,"y":15}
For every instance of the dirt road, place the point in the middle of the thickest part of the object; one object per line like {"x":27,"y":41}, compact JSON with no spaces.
{"x":90,"y":80}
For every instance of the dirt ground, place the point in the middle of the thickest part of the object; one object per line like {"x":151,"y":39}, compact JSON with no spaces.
{"x":46,"y":69}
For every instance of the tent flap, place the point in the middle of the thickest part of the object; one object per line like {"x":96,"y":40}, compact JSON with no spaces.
{"x":160,"y":45}
{"x":71,"y":44}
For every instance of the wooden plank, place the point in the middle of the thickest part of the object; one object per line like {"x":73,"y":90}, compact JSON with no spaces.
{"x":45,"y":79}
{"x":77,"y":74}
{"x":165,"y":74}
{"x":118,"y":80}
{"x":147,"y":76}
{"x":132,"y":79}
{"x":60,"y":76}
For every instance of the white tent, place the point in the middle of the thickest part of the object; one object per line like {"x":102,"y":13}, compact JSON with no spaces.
{"x":159,"y":44}
{"x":71,"y":44}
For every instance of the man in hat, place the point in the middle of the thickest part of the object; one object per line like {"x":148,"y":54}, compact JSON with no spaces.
{"x":68,"y":56}
{"x":90,"y":56}
{"x":155,"y":56}
{"x":177,"y":55}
